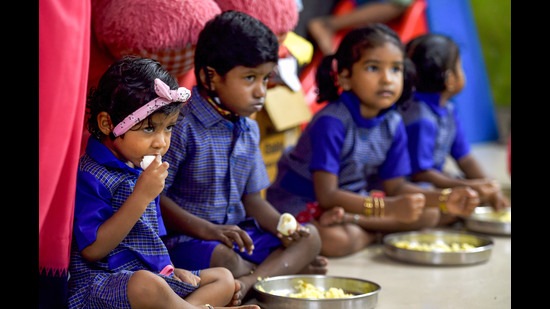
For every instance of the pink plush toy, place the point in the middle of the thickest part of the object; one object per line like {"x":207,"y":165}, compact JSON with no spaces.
{"x":166,"y":30}
{"x":281,"y":16}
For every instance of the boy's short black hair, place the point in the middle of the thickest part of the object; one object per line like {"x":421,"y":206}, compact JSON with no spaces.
{"x":234,"y":38}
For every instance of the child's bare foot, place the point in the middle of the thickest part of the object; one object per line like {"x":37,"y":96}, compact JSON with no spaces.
{"x":332,"y":216}
{"x":319,"y":266}
{"x":245,"y":284}
{"x":241,"y":307}
{"x":322,"y":34}
{"x":237,"y":296}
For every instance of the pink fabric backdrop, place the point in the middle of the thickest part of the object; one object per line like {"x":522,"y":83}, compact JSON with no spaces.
{"x":64,"y":52}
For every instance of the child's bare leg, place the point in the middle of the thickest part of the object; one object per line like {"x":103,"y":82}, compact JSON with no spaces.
{"x":217,"y":287}
{"x":344,"y":239}
{"x":318,"y":266}
{"x":222,"y":256}
{"x":335,"y":215}
{"x":285,"y":261}
{"x":237,"y":307}
{"x":148,"y":290}
{"x":237,"y":296}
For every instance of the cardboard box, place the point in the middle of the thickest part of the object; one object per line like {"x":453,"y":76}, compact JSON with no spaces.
{"x":280,"y":124}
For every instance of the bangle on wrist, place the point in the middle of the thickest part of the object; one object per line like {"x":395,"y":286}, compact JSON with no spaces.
{"x":382,"y":205}
{"x":367,"y":205}
{"x":443,"y":197}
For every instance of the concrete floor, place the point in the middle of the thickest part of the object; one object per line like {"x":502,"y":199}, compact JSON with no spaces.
{"x":411,"y":286}
{"x":486,"y":285}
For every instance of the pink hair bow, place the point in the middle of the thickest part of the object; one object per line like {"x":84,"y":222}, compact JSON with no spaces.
{"x":165,"y":96}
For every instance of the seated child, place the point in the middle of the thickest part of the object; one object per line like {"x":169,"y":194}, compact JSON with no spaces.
{"x":432,"y":124}
{"x":212,"y":203}
{"x":356,"y":144}
{"x":118,"y":259}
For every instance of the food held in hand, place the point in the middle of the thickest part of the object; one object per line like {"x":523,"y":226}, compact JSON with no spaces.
{"x":287,"y":224}
{"x":146,"y":161}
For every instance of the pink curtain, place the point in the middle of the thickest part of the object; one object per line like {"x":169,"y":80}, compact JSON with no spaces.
{"x":64,"y":53}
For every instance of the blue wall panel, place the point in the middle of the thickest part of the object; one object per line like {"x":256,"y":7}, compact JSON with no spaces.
{"x":475,"y":103}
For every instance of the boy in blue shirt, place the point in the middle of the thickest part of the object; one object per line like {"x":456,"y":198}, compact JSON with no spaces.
{"x":212,"y":204}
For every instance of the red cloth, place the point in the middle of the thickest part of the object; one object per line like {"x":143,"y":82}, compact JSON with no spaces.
{"x":312,"y":211}
{"x":64,"y":54}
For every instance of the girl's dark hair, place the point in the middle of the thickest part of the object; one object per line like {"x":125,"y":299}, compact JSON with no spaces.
{"x":433,"y":56}
{"x":127,"y":85}
{"x":233,"y":38}
{"x":350,"y":51}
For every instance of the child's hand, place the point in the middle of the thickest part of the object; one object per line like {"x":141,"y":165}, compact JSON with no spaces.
{"x":151,"y":181}
{"x":499,"y":201}
{"x":490,"y":192}
{"x":405,"y":208}
{"x":230,"y":235}
{"x":300,"y":232}
{"x":186,"y":276}
{"x":462,"y":201}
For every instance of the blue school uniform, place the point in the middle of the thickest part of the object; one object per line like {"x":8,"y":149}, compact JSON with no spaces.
{"x":361,"y":152}
{"x":213,"y":163}
{"x":104,"y":183}
{"x":434,"y":132}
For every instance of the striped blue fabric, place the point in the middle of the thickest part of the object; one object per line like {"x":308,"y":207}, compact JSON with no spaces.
{"x":362,"y":152}
{"x":434,"y":132}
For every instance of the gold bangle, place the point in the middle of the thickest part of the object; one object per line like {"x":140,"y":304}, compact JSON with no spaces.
{"x":376,"y":207}
{"x":382,"y":205}
{"x":443,"y":197}
{"x":367,"y":204}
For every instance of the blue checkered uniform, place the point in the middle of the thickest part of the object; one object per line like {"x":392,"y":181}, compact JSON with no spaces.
{"x":213,"y":163}
{"x":104,"y":183}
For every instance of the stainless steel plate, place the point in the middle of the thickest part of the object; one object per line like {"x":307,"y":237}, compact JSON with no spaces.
{"x":272,"y":293}
{"x":484,"y":219}
{"x":481,"y":251}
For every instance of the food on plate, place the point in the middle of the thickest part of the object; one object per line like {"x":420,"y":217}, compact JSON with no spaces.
{"x":146,"y":161}
{"x":501,"y":215}
{"x":308,"y":290}
{"x":287,"y":224}
{"x":435,"y":246}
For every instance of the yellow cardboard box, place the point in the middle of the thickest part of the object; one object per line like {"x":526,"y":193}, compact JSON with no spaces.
{"x":280,"y":123}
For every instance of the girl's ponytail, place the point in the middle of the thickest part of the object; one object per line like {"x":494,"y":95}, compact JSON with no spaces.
{"x":326,"y":78}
